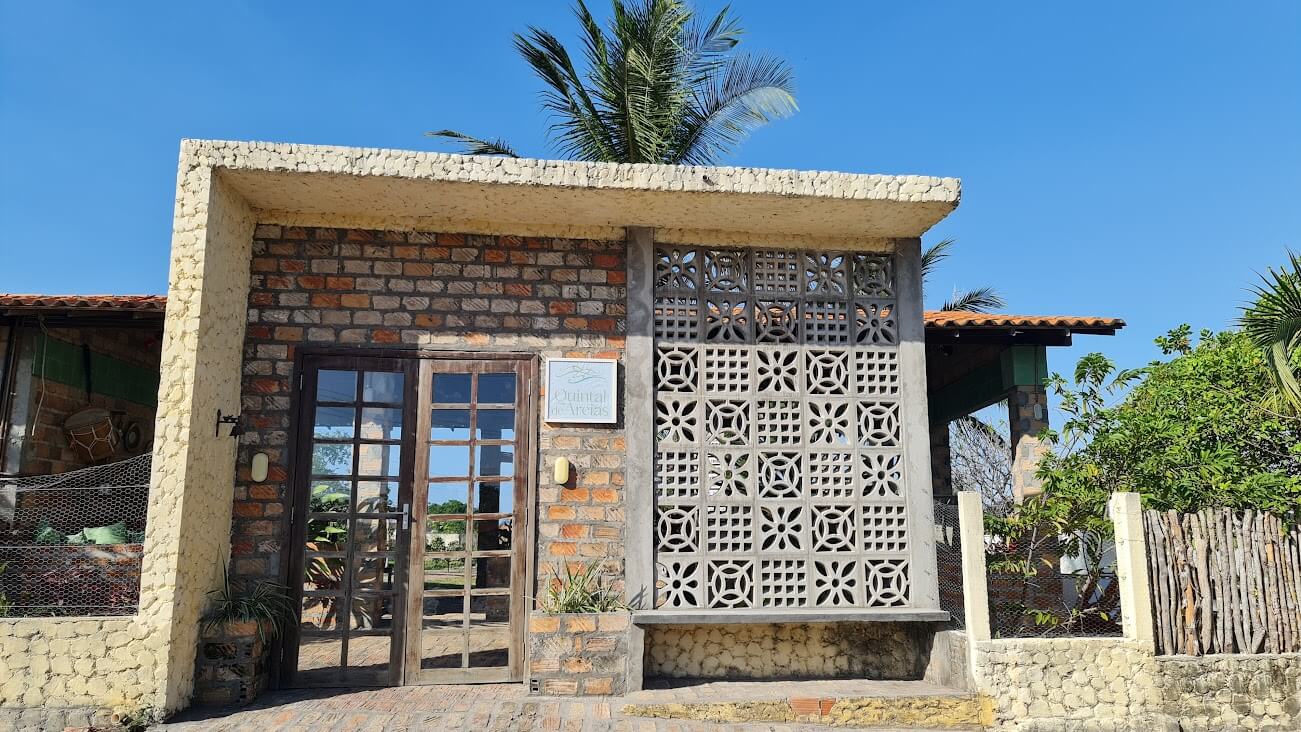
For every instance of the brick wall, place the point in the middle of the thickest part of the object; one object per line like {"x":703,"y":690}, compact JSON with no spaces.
{"x":121,"y":355}
{"x":337,"y":287}
{"x":579,"y":655}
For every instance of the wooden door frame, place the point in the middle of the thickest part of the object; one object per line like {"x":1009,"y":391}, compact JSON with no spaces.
{"x":525,"y":367}
{"x":284,"y":661}
{"x":292,"y":554}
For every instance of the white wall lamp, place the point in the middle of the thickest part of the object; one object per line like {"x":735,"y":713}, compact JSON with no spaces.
{"x":260,"y":466}
{"x":560,"y":474}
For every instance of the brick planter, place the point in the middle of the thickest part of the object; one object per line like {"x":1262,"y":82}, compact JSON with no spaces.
{"x":575,"y":654}
{"x":231,"y":666}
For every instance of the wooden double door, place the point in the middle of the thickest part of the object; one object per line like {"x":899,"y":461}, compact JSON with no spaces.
{"x":409,"y":560}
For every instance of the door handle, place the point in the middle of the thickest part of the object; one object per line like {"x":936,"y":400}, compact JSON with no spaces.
{"x":406,"y":516}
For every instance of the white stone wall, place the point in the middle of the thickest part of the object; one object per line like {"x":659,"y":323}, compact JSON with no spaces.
{"x":1113,"y":684}
{"x":54,"y":664}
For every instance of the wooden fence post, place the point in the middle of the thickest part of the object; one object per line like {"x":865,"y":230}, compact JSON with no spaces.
{"x":1131,"y":570}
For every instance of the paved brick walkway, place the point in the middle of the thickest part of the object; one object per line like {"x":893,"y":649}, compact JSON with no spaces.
{"x":492,"y":707}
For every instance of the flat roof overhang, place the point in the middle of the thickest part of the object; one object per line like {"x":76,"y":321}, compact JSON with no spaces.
{"x":310,"y":181}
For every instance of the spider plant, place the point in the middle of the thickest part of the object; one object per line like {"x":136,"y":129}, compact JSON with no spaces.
{"x":267,"y":604}
{"x":580,"y":591}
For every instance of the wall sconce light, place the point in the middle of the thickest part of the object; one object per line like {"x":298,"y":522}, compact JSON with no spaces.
{"x":561,"y":472}
{"x":261,"y":464}
{"x":236,"y":429}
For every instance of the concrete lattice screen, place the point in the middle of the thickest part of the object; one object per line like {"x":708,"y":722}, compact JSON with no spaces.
{"x":779,"y":461}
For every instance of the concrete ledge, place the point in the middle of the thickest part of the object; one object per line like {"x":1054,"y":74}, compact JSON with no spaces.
{"x":809,"y":615}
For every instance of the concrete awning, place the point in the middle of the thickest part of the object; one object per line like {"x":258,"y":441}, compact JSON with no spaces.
{"x":297,"y":182}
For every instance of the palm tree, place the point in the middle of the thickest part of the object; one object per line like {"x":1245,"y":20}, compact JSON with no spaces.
{"x":981,"y":300}
{"x":658,"y":87}
{"x":1273,"y":322}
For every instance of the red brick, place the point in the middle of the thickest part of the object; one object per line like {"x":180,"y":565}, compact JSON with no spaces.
{"x":340,"y":283}
{"x":279,"y":283}
{"x":264,"y":264}
{"x":436,"y":253}
{"x":516,"y":289}
{"x":248,"y":510}
{"x":573,"y":531}
{"x":384,"y":335}
{"x":418,"y":269}
{"x":258,"y":332}
{"x":602,"y":325}
{"x":496,"y":256}
{"x":452,"y":240}
{"x":324,"y":300}
{"x":574,"y":495}
{"x":267,"y":385}
{"x":406,"y":252}
{"x":561,"y":513}
{"x":293,"y":265}
{"x":311,"y":282}
{"x":354,"y":301}
{"x":425,"y":320}
{"x":289,"y":333}
{"x":607,"y":261}
{"x":544,"y":624}
{"x":564,"y":548}
{"x":576,"y":323}
{"x":262,"y":298}
{"x":616,"y":277}
{"x":263,"y":492}
{"x":605,"y":495}
{"x":562,"y":307}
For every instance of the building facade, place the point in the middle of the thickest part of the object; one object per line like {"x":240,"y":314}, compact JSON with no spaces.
{"x":389,"y":327}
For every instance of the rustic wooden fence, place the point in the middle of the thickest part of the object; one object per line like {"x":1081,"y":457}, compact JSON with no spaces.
{"x":1224,"y":582}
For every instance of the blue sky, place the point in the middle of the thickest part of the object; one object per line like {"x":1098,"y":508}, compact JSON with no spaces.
{"x":1118,"y":158}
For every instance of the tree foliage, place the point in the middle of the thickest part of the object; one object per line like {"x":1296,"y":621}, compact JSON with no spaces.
{"x":1195,"y":431}
{"x":657,"y":86}
{"x":1273,"y":322}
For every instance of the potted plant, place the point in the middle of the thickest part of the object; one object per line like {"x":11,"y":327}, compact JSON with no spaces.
{"x":242,"y":619}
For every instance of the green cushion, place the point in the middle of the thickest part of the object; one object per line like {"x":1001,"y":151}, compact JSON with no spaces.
{"x":111,"y":534}
{"x":46,"y":534}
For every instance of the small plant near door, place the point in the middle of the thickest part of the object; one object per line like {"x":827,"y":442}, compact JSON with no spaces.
{"x":580,"y":591}
{"x":234,"y":607}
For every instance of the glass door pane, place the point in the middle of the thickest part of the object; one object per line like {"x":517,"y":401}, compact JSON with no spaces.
{"x":353,"y":544}
{"x":469,"y":599}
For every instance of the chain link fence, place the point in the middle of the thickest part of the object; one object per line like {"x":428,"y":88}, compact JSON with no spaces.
{"x":71,"y":544}
{"x":948,"y":560}
{"x":1052,"y":575}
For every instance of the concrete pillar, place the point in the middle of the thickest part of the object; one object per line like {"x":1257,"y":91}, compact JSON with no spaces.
{"x":1131,"y":570}
{"x":1027,"y":416}
{"x":975,"y":585}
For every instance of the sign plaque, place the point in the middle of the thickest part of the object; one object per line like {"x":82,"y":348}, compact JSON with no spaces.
{"x":582,"y":390}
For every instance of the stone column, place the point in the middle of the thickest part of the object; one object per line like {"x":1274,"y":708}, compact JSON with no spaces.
{"x":1131,"y":570}
{"x":1027,"y":416}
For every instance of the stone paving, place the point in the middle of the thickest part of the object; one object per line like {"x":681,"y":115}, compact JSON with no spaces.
{"x":486,"y":707}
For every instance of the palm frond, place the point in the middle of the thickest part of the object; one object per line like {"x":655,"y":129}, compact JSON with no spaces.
{"x":745,"y":93}
{"x":578,"y":125}
{"x":934,"y":255}
{"x":476,"y":146}
{"x":1273,"y":322}
{"x":982,"y":300}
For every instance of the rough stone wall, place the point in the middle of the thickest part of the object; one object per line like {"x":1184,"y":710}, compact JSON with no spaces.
{"x":53,"y":668}
{"x":1025,"y":427}
{"x":1106,"y":684}
{"x":351,"y":287}
{"x":579,"y":655}
{"x":788,"y":650}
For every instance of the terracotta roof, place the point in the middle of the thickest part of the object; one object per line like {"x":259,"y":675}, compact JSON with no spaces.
{"x":96,"y":303}
{"x":962,"y":319}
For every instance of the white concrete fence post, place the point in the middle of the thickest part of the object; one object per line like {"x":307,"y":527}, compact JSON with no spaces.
{"x":1131,"y":570}
{"x":975,"y":585}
